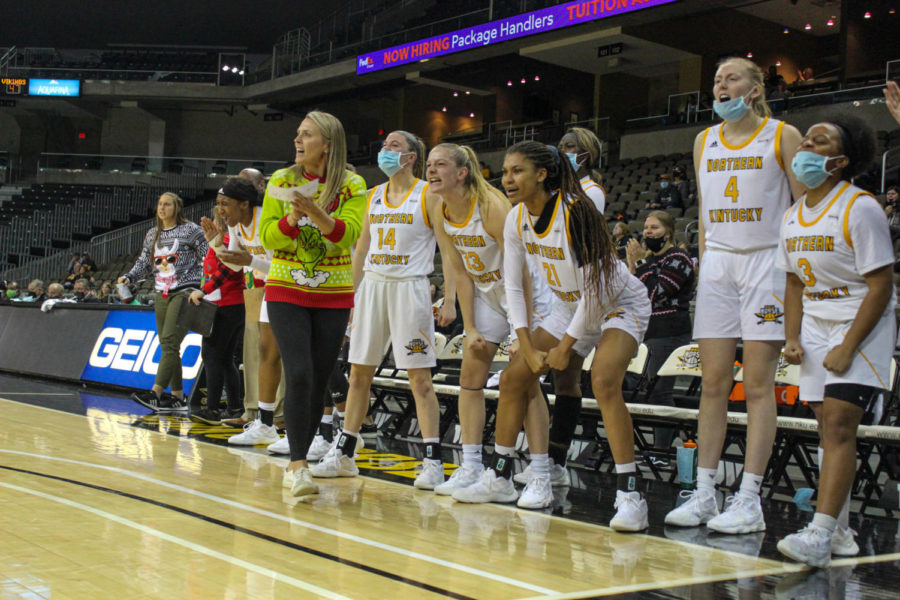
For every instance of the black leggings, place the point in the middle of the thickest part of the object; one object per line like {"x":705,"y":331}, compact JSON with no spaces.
{"x":309,"y":340}
{"x":218,"y":357}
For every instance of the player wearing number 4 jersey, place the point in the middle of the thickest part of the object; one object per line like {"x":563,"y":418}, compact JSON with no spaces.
{"x":839,"y":316}
{"x":393,"y":302}
{"x":745,"y":185}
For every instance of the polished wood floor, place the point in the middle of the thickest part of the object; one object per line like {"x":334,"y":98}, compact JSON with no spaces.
{"x":92,"y":507}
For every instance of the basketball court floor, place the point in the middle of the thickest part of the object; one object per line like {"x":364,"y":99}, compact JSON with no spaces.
{"x":99,"y":499}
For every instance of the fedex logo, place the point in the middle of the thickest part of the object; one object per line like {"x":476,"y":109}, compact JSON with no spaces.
{"x":366,"y":63}
{"x":137,"y":350}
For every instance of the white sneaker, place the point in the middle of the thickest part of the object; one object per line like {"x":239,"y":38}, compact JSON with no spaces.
{"x":319,"y":448}
{"x":742,"y":514}
{"x":696,"y":510}
{"x":537,"y":494}
{"x":461,"y":478}
{"x":631,"y":512}
{"x":559,"y":476}
{"x":811,"y":545}
{"x":255,"y":432}
{"x":287,"y":478}
{"x":335,"y":464}
{"x":431,"y":475}
{"x":842,"y":542}
{"x":489,"y":488}
{"x":279,"y":447}
{"x":302,"y":484}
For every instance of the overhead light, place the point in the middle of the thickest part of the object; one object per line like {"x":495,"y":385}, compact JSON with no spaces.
{"x":509,"y":82}
{"x":786,"y":30}
{"x":455,"y":94}
{"x":226,"y":68}
{"x":241,"y":72}
{"x":444,"y":109}
{"x":234,"y":69}
{"x":472,"y":115}
{"x":868,"y":15}
{"x":523,"y":80}
{"x":749,"y":55}
{"x":830,"y":22}
{"x":807,"y":27}
{"x":537,"y":77}
{"x":468,"y":92}
{"x":777,"y":63}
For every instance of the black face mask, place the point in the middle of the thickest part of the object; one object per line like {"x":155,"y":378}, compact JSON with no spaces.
{"x":655,"y":244}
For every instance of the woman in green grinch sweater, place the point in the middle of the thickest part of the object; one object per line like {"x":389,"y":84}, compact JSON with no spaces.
{"x":312,"y":215}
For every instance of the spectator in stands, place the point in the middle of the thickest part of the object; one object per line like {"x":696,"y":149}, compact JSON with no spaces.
{"x":806,"y":75}
{"x":74,"y":264}
{"x":87,"y":261}
{"x":485,"y":170}
{"x":892,"y":99}
{"x":584,"y":151}
{"x":668,"y":273}
{"x":308,"y":291}
{"x":55,"y":291}
{"x":224,"y":287}
{"x":680,"y":183}
{"x":842,"y":341}
{"x":668,"y":195}
{"x":12,"y":290}
{"x":892,"y":210}
{"x":621,"y":234}
{"x":737,"y":291}
{"x":173,"y":251}
{"x":36,"y":289}
{"x":106,"y":292}
{"x":4,"y":299}
{"x":84,"y":291}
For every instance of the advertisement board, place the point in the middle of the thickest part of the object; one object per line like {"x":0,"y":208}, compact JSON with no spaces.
{"x":54,"y":87}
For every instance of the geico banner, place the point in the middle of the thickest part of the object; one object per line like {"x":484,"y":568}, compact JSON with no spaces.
{"x":127,"y":352}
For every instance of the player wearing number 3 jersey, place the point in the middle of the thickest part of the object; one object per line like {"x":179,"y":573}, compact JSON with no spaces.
{"x":745,"y":185}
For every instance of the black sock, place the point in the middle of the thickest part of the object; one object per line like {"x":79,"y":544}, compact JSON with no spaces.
{"x":266,"y":416}
{"x":502,"y":465}
{"x":566,"y":412}
{"x":628,"y":482}
{"x":326,"y":430}
{"x":347,"y":444}
{"x":433,"y":451}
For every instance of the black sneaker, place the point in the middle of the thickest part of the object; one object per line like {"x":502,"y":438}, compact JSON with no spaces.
{"x":170,"y":403}
{"x":368,"y":430}
{"x":204,"y":415}
{"x":147,"y":398}
{"x":229,"y":413}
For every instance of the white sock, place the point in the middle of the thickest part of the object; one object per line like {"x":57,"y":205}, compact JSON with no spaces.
{"x":626,"y":467}
{"x":540,"y":465}
{"x":824,"y":521}
{"x":504,"y":450}
{"x":751,"y":485}
{"x":472,"y":456}
{"x":706,"y":481}
{"x":270,"y":406}
{"x":329,"y":418}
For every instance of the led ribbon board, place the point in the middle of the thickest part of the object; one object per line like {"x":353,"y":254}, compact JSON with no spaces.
{"x":539,"y":21}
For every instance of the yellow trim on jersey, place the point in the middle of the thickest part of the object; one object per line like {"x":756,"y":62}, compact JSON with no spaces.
{"x":405,"y":198}
{"x":466,"y":221}
{"x":568,"y":231}
{"x":252,"y":227}
{"x":519,"y":220}
{"x":552,"y":218}
{"x":824,"y":211}
{"x":746,"y":142}
{"x":703,"y":143}
{"x":423,"y":203}
{"x":847,"y":215}
{"x":778,"y":130}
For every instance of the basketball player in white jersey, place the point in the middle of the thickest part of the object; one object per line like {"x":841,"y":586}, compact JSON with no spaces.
{"x":598,"y":302}
{"x":393,"y":258}
{"x":583,"y":150}
{"x":745,"y":185}
{"x":835,"y":245}
{"x":473,"y":217}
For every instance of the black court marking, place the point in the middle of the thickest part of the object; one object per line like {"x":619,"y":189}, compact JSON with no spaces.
{"x":257,"y":534}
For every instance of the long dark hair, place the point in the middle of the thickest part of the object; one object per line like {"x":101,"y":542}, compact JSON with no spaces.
{"x":597,"y":251}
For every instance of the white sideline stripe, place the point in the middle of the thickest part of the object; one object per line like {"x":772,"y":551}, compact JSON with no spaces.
{"x":314,"y":589}
{"x":38,"y":394}
{"x":292,"y":521}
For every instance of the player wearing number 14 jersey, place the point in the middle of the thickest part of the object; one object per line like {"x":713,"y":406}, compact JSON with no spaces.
{"x":745,"y":185}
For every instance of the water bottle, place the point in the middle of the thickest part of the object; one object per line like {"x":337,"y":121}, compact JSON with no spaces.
{"x":686,"y":459}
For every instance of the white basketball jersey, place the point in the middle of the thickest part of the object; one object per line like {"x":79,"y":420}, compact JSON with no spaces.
{"x":481,"y":255}
{"x":551,"y":251}
{"x":743,"y":189}
{"x":595,"y":192}
{"x":819,"y":246}
{"x":248,"y":238}
{"x":402,"y":242}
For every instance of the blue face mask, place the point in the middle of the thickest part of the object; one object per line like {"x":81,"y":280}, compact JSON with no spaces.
{"x":663,"y":184}
{"x":809,"y":168}
{"x":573,"y":158}
{"x":389,"y":162}
{"x":731,"y":110}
